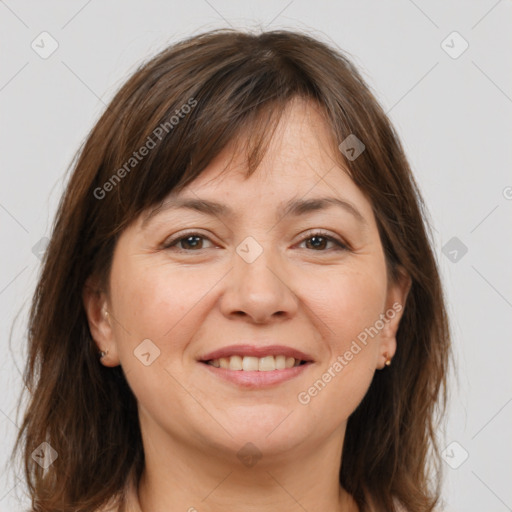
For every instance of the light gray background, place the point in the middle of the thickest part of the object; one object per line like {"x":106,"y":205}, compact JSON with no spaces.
{"x":453,"y":116}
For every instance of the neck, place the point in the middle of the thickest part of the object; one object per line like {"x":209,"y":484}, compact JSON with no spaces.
{"x":178,"y":476}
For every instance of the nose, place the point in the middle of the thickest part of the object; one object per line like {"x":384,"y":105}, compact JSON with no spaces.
{"x":259,"y":290}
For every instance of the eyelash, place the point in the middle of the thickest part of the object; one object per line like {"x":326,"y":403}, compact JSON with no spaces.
{"x":322,"y":234}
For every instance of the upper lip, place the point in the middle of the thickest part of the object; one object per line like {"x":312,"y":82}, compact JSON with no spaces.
{"x":256,"y":351}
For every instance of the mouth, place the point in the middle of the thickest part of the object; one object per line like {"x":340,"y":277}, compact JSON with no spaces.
{"x":256,"y":358}
{"x":255,"y":364}
{"x":254,"y":367}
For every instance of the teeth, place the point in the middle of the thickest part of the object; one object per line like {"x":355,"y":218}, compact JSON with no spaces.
{"x":250,"y":363}
{"x":266,"y":364}
{"x":235,"y":363}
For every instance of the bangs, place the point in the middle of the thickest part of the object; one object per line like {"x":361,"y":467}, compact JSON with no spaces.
{"x":185,"y":127}
{"x":225,"y":90}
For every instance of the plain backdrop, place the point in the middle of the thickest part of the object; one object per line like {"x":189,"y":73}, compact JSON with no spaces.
{"x":441,"y":70}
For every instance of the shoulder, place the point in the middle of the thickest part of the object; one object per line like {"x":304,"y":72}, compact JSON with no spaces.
{"x":126,"y":500}
{"x":113,"y":505}
{"x":400,"y":507}
{"x":107,"y":508}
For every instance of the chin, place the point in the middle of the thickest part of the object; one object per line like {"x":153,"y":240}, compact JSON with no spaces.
{"x":274,"y":431}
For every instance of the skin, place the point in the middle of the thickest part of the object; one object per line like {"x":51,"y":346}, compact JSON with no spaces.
{"x":314,"y":298}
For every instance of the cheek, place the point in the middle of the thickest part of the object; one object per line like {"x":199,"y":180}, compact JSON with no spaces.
{"x":336,"y":393}
{"x":348,"y":303}
{"x":157,"y":302}
{"x":348,"y":306}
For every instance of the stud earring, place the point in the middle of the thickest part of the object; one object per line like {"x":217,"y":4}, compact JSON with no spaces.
{"x":388,"y":359}
{"x":103,"y":353}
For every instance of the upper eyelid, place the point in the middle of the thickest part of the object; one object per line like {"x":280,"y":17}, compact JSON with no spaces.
{"x":173,"y":239}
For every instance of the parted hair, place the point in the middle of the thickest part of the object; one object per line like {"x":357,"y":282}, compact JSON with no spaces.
{"x":225,"y":86}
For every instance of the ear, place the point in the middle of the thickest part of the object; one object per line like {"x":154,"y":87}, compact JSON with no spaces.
{"x":395,"y":304}
{"x":100,"y":321}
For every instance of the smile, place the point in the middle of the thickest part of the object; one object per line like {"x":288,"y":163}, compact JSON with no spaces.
{"x":251,"y":364}
{"x":256,"y":365}
{"x":248,"y":378}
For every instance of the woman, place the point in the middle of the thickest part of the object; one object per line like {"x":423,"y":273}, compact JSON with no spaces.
{"x":242,"y":242}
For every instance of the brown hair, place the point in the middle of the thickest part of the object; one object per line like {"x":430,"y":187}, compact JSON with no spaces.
{"x":237,"y":85}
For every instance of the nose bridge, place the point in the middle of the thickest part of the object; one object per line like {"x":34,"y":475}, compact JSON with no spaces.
{"x":258,"y":287}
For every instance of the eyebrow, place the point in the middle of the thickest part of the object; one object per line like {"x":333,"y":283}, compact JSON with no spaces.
{"x":294,"y":207}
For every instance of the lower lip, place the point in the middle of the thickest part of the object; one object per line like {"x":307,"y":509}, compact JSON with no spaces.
{"x":257,"y":379}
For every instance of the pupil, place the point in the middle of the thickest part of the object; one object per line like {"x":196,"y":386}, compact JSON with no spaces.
{"x":193,"y":244}
{"x":318,"y":239}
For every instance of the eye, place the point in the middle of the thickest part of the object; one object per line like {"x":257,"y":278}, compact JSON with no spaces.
{"x":319,"y":240}
{"x":192,"y":240}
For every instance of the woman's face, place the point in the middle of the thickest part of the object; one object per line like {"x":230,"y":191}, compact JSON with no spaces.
{"x":252,"y":277}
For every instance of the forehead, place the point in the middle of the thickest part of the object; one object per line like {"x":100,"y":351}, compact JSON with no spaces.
{"x":300,"y":173}
{"x":303,"y":147}
{"x":302,"y":157}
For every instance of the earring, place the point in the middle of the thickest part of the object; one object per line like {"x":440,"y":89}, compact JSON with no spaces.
{"x":388,"y":359}
{"x":103,"y":353}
